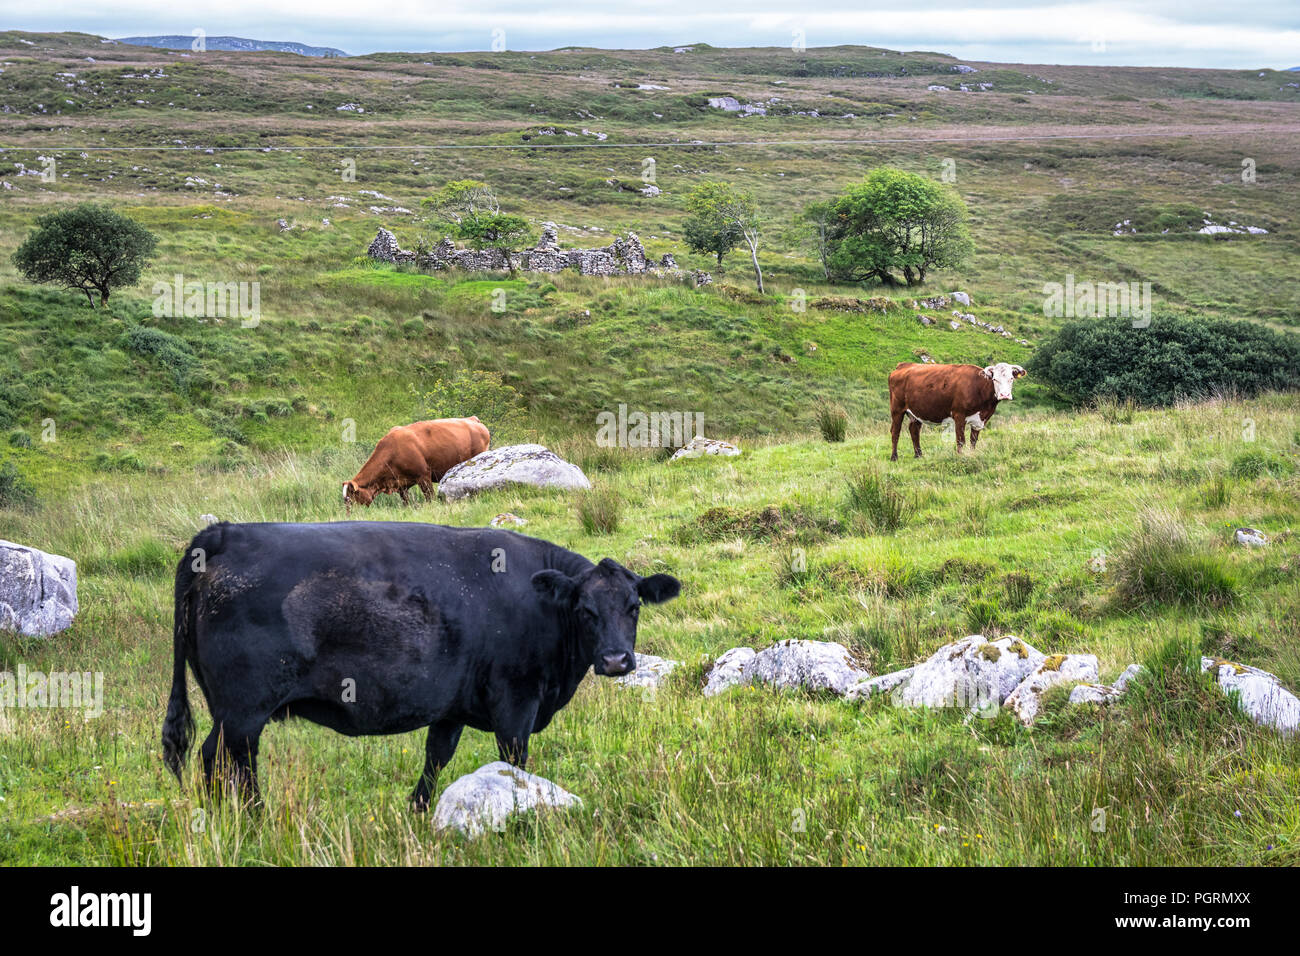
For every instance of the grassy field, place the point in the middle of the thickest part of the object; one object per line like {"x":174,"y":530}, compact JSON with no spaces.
{"x":1093,"y":531}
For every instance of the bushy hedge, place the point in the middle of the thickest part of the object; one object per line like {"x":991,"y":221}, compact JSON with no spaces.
{"x":1172,"y":358}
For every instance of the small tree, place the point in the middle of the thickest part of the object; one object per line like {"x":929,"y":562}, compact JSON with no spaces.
{"x":819,"y":216}
{"x":895,"y":221}
{"x":468,"y":209}
{"x":89,"y":248}
{"x":722,"y":217}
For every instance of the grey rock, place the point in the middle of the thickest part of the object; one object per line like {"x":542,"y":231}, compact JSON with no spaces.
{"x":1260,"y":694}
{"x":650,"y":672}
{"x":534,"y":465}
{"x":878,"y":685}
{"x":507,"y":519}
{"x":1250,"y":538}
{"x":973,"y":673}
{"x":1130,"y":673}
{"x":1027,"y":698}
{"x":961,"y":297}
{"x":699,"y":446}
{"x":728,"y":670}
{"x":38,"y":591}
{"x":488,"y":797}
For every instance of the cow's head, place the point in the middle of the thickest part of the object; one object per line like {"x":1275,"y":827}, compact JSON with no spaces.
{"x":352,"y":492}
{"x":1002,"y":375}
{"x":606,"y":601}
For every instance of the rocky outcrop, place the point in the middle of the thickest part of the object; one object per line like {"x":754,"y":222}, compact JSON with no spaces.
{"x":650,"y":672}
{"x":1260,"y":694}
{"x":699,"y":446}
{"x":1053,"y":671}
{"x":624,"y":256}
{"x":534,"y":465}
{"x":38,"y":591}
{"x":488,"y":797}
{"x":810,"y":665}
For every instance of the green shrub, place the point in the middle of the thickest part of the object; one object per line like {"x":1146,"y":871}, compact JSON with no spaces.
{"x":1161,"y":565}
{"x":15,"y":490}
{"x":20,"y":439}
{"x":172,"y":353}
{"x":1173,"y":358}
{"x":875,"y":502}
{"x":1257,"y":463}
{"x":598,"y":510}
{"x":485,"y":394}
{"x":832,"y":421}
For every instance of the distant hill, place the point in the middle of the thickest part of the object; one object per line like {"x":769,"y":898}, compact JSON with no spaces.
{"x":181,"y":42}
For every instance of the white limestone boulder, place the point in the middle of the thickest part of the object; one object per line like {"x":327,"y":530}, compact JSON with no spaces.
{"x":808,"y":665}
{"x":1250,"y":538}
{"x":728,"y":670}
{"x":1131,"y":672}
{"x":878,"y":685}
{"x":650,"y":672}
{"x":973,"y":673}
{"x":1027,"y":698}
{"x":534,"y":465}
{"x":38,"y":591}
{"x":699,"y":446}
{"x":1260,"y":693}
{"x":507,"y":519}
{"x":488,"y":797}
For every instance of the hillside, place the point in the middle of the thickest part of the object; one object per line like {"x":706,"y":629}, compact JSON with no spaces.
{"x":241,"y":44}
{"x":118,"y":429}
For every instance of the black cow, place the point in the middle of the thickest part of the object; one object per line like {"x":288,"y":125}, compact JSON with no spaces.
{"x":383,"y":627}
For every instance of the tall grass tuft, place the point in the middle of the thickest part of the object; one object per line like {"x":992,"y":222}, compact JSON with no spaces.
{"x":598,"y":510}
{"x":1160,"y":564}
{"x":1115,"y":411}
{"x":832,"y":420}
{"x":875,"y":502}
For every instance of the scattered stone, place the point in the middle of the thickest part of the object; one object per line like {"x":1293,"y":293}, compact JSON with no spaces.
{"x":954,"y":325}
{"x":699,"y":445}
{"x":878,"y":685}
{"x":38,"y":591}
{"x":728,"y":670}
{"x":650,"y":671}
{"x":1131,"y":672}
{"x":486,"y":798}
{"x":926,"y":320}
{"x":810,"y":665}
{"x":1093,"y":694}
{"x":1260,"y":694}
{"x":1250,"y":538}
{"x":1026,"y":699}
{"x":974,"y":673}
{"x":283,"y":224}
{"x":534,"y":465}
{"x":507,"y":519}
{"x":206,"y":520}
{"x":961,"y":297}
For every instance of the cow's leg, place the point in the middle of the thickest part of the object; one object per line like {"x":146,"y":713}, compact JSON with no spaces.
{"x":402,"y":494}
{"x":896,"y":429}
{"x":438,"y":749}
{"x":210,"y":746}
{"x":426,"y":486}
{"x":915,"y":428}
{"x":241,"y":742}
{"x":513,"y":724}
{"x":974,"y":437}
{"x":959,"y":426}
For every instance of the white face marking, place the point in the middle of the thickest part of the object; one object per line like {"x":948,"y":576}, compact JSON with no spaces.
{"x":1003,"y":374}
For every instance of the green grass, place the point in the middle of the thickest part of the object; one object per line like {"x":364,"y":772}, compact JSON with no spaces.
{"x":684,"y":779}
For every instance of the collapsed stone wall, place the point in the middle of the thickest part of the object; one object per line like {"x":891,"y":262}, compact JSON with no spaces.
{"x":624,"y":256}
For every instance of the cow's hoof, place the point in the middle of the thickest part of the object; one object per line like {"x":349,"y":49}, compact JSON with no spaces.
{"x":419,"y":802}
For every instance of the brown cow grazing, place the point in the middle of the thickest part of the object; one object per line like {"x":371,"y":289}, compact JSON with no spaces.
{"x":417,"y":454}
{"x":938,"y":394}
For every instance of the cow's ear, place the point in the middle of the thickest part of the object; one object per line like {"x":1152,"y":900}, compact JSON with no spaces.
{"x":658,"y":588}
{"x":556,"y":587}
{"x":1017,"y":371}
{"x":988,"y":371}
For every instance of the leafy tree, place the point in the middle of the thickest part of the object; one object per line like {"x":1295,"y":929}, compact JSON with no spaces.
{"x":894,"y":221}
{"x":468,"y":209}
{"x":819,"y":217}
{"x":89,"y":248}
{"x":721,"y":217}
{"x":1173,"y":358}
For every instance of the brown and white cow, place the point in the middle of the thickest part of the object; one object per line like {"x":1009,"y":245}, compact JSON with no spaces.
{"x":417,"y":454}
{"x":938,"y":394}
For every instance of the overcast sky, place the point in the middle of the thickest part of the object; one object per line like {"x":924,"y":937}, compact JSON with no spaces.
{"x":1211,"y":33}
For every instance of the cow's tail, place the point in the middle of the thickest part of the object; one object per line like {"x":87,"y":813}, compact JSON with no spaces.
{"x":178,"y":725}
